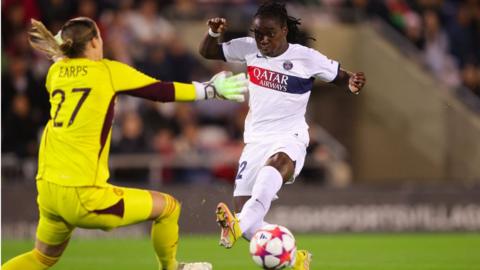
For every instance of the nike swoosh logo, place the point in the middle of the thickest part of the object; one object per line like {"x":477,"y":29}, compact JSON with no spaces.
{"x":260,"y":56}
{"x":257,"y":200}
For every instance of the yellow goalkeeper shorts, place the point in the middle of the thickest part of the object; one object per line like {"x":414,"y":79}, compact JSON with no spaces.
{"x":62,"y":208}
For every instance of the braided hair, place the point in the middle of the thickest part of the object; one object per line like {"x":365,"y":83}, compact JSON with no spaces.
{"x":276,"y":10}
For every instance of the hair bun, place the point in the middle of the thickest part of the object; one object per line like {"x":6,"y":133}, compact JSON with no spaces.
{"x":66,"y":45}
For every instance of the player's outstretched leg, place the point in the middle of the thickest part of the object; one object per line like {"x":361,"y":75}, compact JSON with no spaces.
{"x":302,"y":260}
{"x":195,"y":266}
{"x":230,"y":228}
{"x":164,"y":233}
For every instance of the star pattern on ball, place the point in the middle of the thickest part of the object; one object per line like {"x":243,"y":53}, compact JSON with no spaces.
{"x":284,"y":257}
{"x":261,"y":251}
{"x":277,"y":233}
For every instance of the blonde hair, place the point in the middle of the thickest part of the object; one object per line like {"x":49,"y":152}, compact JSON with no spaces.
{"x":42,"y":40}
{"x":70,"y":42}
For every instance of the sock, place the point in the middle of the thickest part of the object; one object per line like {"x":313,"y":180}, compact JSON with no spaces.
{"x":268,"y":183}
{"x":32,"y":260}
{"x":253,"y":229}
{"x":165,"y":234}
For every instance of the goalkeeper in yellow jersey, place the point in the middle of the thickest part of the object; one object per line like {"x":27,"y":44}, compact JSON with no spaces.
{"x":73,"y":158}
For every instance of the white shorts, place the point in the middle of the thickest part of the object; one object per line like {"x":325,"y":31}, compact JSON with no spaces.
{"x":255,"y":155}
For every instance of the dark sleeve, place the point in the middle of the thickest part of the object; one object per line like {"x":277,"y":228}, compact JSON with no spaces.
{"x":157,"y":91}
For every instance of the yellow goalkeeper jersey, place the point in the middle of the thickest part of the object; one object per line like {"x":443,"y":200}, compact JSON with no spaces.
{"x":76,"y":140}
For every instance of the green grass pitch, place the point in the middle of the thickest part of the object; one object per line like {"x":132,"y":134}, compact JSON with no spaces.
{"x":331,"y":252}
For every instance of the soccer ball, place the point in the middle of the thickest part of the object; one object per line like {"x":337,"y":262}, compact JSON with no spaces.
{"x":273,"y":247}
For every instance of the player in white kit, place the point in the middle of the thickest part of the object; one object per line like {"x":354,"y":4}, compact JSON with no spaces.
{"x":281,"y":75}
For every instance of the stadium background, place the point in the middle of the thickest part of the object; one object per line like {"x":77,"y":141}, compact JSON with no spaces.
{"x":401,"y":157}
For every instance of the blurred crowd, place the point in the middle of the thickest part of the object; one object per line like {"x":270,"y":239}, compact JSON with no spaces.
{"x":141,"y":33}
{"x":446,"y":31}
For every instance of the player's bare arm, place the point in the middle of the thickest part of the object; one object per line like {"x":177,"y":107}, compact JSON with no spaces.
{"x":209,"y":47}
{"x":354,"y":82}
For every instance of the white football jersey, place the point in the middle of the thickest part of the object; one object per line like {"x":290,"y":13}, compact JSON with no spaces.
{"x":279,"y":87}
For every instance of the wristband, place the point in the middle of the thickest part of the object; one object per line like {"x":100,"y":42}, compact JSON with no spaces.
{"x":210,"y":91}
{"x":205,"y":90}
{"x":353,"y":88}
{"x":213,"y":34}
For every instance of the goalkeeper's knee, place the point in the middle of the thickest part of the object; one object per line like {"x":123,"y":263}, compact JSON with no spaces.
{"x":33,"y":260}
{"x":171,"y":209}
{"x":44,"y":259}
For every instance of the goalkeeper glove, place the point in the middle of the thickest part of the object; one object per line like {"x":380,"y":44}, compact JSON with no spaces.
{"x":223,"y":85}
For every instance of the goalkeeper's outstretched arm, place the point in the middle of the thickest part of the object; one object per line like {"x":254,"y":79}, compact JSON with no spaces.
{"x":128,"y":80}
{"x":223,"y":85}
